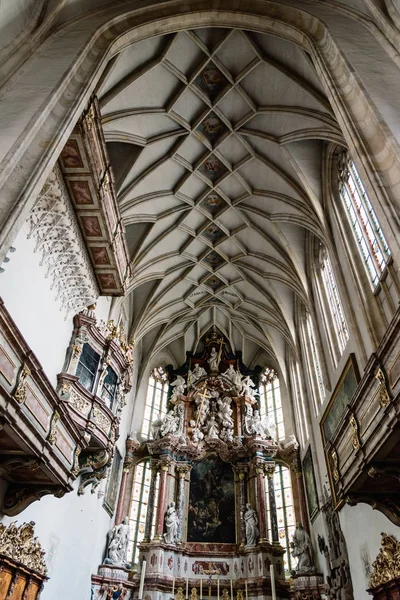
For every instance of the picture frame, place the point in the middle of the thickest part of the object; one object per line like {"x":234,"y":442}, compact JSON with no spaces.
{"x":110,"y":497}
{"x":340,"y":399}
{"x":310,"y":485}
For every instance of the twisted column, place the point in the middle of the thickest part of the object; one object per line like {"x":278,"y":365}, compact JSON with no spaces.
{"x":260,"y":488}
{"x":165,"y":463}
{"x":154,"y":466}
{"x":270,"y":471}
{"x":180,"y":498}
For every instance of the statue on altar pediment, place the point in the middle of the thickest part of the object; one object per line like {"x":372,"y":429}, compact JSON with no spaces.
{"x":234,"y":377}
{"x":262,"y":427}
{"x":179,"y":386}
{"x":170,"y":424}
{"x":247,"y":387}
{"x":156,"y":427}
{"x":225,"y":412}
{"x":197,"y":373}
{"x":212,"y":428}
{"x":213,"y":361}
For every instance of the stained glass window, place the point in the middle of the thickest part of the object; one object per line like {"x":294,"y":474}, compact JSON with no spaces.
{"x":334,"y":302}
{"x":367,"y":231}
{"x":155,"y":404}
{"x":270,"y":400}
{"x":285,"y":512}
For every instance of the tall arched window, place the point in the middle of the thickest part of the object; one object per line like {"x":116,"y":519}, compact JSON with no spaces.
{"x":299,"y":403}
{"x":313,"y":363}
{"x":285,"y":512}
{"x":367,"y":231}
{"x":156,"y":404}
{"x":270,"y":400}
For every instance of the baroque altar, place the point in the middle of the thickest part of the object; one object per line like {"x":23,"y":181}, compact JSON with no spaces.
{"x":212,"y":456}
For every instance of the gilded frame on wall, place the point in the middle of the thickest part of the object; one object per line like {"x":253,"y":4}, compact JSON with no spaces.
{"x":310,"y":485}
{"x":110,"y":497}
{"x":341,"y":398}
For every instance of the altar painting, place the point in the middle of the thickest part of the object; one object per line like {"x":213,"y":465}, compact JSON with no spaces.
{"x":211,"y":502}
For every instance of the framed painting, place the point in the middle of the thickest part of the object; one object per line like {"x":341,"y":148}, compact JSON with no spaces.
{"x":212,"y":502}
{"x":110,"y":497}
{"x":310,"y":485}
{"x":341,"y":397}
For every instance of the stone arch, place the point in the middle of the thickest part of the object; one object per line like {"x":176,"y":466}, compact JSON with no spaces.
{"x":35,"y":139}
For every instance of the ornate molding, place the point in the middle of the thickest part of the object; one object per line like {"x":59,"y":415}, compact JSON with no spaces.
{"x":384,"y":397}
{"x":20,"y":544}
{"x":387,"y":564}
{"x":54,"y":227}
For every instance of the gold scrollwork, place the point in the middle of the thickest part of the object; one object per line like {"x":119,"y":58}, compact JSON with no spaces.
{"x":387,"y":564}
{"x":335,"y":470}
{"x":20,"y":390}
{"x":76,"y":468}
{"x":20,"y":544}
{"x":384,"y":398}
{"x":355,"y":436}
{"x":53,"y":429}
{"x":101,"y":420}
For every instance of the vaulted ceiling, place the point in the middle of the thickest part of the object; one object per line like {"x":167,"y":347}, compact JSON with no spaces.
{"x":216,"y":139}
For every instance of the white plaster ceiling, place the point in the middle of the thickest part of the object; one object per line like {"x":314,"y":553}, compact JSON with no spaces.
{"x":215,"y":137}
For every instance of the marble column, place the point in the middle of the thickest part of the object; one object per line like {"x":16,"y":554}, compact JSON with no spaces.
{"x":165,"y":464}
{"x":180,"y":497}
{"x":126,"y":487}
{"x":241,"y":471}
{"x":154,"y":466}
{"x":261,"y":504}
{"x":299,"y":498}
{"x":270,"y":471}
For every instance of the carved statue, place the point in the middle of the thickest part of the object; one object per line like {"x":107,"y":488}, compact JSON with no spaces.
{"x":251,"y":525}
{"x":212,"y":428}
{"x":197,"y":434}
{"x":171,"y":524}
{"x":170,"y":424}
{"x":213,"y":361}
{"x":197,"y":373}
{"x":179,"y":386}
{"x":302,"y":550}
{"x":118,"y":539}
{"x":247,"y":387}
{"x":225,"y":412}
{"x":156,"y":427}
{"x":203,"y":408}
{"x":230,"y":373}
{"x":261,"y":426}
{"x":226,"y":435}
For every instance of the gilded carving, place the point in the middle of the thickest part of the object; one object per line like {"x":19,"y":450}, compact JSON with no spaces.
{"x":101,"y":419}
{"x":53,"y":429}
{"x":20,"y":544}
{"x":20,"y":390}
{"x":355,"y":435}
{"x":179,"y":594}
{"x":387,"y":564}
{"x":384,"y":398}
{"x":80,"y":404}
{"x":76,"y":467}
{"x":335,"y":470}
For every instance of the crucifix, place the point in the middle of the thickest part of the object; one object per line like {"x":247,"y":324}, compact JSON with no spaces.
{"x":210,"y":572}
{"x":221,"y":343}
{"x":203,"y":396}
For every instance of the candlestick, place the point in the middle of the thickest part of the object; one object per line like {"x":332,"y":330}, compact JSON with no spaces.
{"x":142,"y":576}
{"x":173,"y":586}
{"x":187,"y":587}
{"x":201,"y":589}
{"x":218,"y":587}
{"x":231,"y":589}
{"x":245,"y":588}
{"x":272,"y":574}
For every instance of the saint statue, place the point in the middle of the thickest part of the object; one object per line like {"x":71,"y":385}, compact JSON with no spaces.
{"x":118,"y":539}
{"x":247,"y":387}
{"x":302,"y":550}
{"x":230,"y":373}
{"x":197,"y":373}
{"x":212,"y":428}
{"x":225,"y":412}
{"x":171,"y":524}
{"x":213,"y":361}
{"x":156,"y":427}
{"x":251,"y":522}
{"x":179,"y":386}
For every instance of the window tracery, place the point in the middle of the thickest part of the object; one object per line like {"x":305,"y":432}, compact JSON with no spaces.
{"x":285,"y":512}
{"x":367,"y":231}
{"x":314,"y":370}
{"x":270,"y":400}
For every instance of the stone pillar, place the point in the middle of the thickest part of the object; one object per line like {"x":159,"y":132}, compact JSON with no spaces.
{"x":181,"y":469}
{"x":154,"y":466}
{"x":165,"y":463}
{"x":260,"y":493}
{"x":241,"y":471}
{"x":270,"y":471}
{"x":126,"y":487}
{"x":299,"y":499}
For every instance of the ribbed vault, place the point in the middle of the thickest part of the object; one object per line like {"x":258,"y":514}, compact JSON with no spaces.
{"x":216,"y":140}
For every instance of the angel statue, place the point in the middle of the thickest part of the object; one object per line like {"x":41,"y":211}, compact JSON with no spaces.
{"x":247,"y":387}
{"x":262,"y":426}
{"x":179,"y":386}
{"x":197,"y":373}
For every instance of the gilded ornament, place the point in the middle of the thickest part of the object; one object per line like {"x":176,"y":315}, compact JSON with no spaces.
{"x":355,"y":436}
{"x":20,"y":391}
{"x":335,"y":470}
{"x":239,"y":595}
{"x":179,"y":594}
{"x":101,"y":420}
{"x":53,"y":430}
{"x":80,"y":404}
{"x":225,"y":595}
{"x":384,"y":398}
{"x":76,"y":468}
{"x":387,"y":564}
{"x":76,"y":350}
{"x":193,"y":594}
{"x":20,"y":544}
